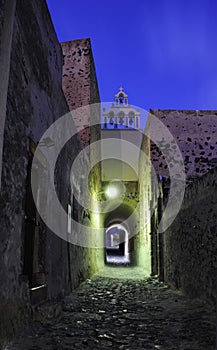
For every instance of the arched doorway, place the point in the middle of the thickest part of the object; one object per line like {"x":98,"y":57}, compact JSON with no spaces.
{"x":120,"y":231}
{"x":117,"y":245}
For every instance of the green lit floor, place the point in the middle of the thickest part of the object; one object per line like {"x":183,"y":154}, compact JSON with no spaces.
{"x":123,"y":272}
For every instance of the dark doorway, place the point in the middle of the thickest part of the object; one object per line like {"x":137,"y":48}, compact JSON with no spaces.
{"x":34,"y":246}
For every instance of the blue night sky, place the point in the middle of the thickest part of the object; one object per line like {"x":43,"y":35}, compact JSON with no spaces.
{"x":163,"y":52}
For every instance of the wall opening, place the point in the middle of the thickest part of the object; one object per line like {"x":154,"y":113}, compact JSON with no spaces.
{"x":117,"y":245}
{"x":34,"y":242}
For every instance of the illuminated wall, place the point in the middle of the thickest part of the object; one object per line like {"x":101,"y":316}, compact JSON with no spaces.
{"x":145,"y":191}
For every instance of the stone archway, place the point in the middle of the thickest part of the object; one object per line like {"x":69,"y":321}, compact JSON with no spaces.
{"x":120,"y":230}
{"x":117,"y":245}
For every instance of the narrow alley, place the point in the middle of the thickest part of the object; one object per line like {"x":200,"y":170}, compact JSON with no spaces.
{"x":107,"y":209}
{"x":120,"y":309}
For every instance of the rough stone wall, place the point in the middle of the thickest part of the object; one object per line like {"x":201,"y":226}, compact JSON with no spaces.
{"x":80,"y":87}
{"x":82,"y":94}
{"x":7,"y":13}
{"x":148,"y":201}
{"x":79,"y":82}
{"x":2,"y":8}
{"x":190,"y":243}
{"x":35,"y":100}
{"x":195,"y":134}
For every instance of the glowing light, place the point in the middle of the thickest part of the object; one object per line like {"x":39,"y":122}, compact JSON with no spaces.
{"x":112,"y":192}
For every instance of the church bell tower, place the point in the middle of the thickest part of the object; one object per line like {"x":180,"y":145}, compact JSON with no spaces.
{"x":121,"y":115}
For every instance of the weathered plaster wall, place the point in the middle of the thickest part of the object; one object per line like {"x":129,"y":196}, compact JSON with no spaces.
{"x":195,"y":134}
{"x":79,"y":82}
{"x":190,"y":243}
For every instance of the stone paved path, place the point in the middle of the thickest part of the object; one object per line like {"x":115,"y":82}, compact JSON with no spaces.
{"x":119,"y":309}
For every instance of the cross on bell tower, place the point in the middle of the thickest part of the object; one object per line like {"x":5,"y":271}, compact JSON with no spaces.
{"x":121,"y":98}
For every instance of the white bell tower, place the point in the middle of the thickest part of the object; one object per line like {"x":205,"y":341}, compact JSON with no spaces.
{"x":121,"y":115}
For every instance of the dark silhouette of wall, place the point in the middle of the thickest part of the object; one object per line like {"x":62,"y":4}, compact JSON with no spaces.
{"x":30,"y":254}
{"x":190,"y":243}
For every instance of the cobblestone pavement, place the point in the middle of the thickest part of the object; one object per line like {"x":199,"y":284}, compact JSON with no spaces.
{"x":121,"y":310}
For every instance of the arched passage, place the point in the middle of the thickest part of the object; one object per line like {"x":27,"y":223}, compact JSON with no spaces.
{"x":120,"y":230}
{"x":117,"y":245}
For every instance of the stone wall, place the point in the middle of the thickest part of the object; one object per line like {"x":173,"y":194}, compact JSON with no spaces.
{"x":82,"y":94}
{"x":80,"y":87}
{"x":79,"y":82}
{"x":30,"y":254}
{"x":195,"y":134}
{"x":7,"y":12}
{"x":190,"y":243}
{"x":149,"y":192}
